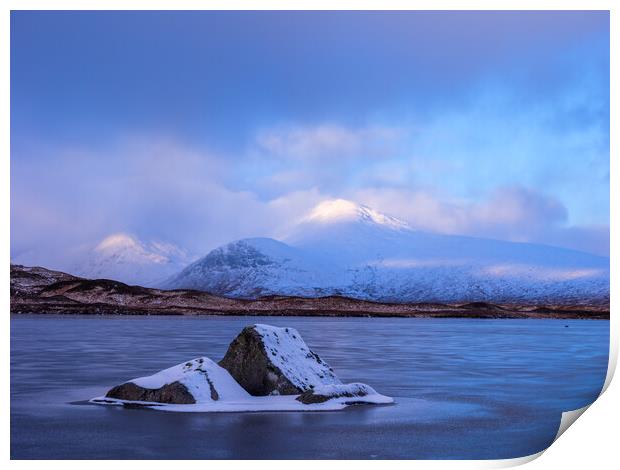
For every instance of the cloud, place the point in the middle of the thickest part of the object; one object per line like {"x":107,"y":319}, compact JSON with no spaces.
{"x":327,"y":141}
{"x":158,"y":190}
{"x":507,"y":138}
{"x":555,"y":140}
{"x":324,"y":155}
{"x":165,"y":192}
{"x":509,"y":213}
{"x":519,"y":210}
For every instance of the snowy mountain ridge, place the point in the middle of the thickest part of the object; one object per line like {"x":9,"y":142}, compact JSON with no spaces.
{"x":125,"y":258}
{"x":341,"y":248}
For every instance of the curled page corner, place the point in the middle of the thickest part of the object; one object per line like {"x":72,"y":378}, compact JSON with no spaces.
{"x":568,"y":418}
{"x":611,"y":367}
{"x":515,"y":462}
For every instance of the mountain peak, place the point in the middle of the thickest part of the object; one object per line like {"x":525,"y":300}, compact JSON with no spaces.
{"x":342,"y":210}
{"x":122,"y":245}
{"x":117,"y":241}
{"x":126,"y":258}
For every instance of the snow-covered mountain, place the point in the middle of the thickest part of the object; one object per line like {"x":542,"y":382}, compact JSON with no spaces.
{"x":341,"y":248}
{"x":125,"y":258}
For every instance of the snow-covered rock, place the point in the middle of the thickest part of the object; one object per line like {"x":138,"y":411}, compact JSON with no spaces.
{"x":353,"y":393}
{"x":272,"y":362}
{"x":197,"y":381}
{"x":341,"y":248}
{"x":267,"y":360}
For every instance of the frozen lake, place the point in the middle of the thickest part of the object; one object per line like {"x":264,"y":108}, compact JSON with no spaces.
{"x":464,"y":388}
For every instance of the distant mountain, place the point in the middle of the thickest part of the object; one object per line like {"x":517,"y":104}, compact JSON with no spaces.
{"x":125,"y":258}
{"x":341,"y":248}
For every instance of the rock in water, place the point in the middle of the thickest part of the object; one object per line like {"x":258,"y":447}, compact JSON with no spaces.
{"x":197,"y":381}
{"x":175,"y":392}
{"x":354,"y":393}
{"x":263,"y":360}
{"x":267,"y":360}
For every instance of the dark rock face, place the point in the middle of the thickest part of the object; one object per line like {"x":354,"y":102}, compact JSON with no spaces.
{"x":174,"y":392}
{"x":249,"y":364}
{"x":347,"y":391}
{"x":309,"y":398}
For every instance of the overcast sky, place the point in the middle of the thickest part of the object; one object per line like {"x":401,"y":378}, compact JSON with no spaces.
{"x":197,"y":128}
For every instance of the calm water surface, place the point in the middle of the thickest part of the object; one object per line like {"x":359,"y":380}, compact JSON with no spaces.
{"x":464,"y":388}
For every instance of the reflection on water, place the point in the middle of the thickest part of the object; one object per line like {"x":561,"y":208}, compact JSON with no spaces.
{"x":465,"y":388}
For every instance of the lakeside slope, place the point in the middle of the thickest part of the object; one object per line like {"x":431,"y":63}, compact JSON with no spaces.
{"x":43,"y":291}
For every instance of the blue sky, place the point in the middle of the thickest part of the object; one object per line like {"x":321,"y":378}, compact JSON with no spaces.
{"x":195,"y":128}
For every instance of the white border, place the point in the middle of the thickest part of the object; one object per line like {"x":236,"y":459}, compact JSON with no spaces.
{"x":590,"y":443}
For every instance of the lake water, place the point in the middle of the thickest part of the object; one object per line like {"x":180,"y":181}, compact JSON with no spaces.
{"x":464,"y":388}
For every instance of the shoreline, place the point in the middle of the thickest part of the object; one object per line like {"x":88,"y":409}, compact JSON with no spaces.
{"x":114,"y":311}
{"x":43,"y":292}
{"x":215,"y":315}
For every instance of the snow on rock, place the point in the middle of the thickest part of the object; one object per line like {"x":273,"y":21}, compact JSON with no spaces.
{"x":267,"y":360}
{"x":290,"y":354}
{"x":353,"y":393}
{"x":197,"y":381}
